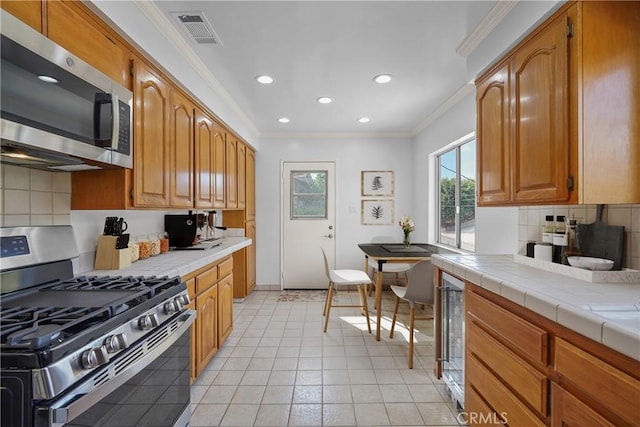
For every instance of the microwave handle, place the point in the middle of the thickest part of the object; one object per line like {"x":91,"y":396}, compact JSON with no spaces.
{"x":115,"y":125}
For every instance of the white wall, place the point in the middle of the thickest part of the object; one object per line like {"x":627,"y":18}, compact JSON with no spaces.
{"x":496,"y":228}
{"x":351,"y":157}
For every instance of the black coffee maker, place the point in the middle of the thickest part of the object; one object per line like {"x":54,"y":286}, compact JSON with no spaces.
{"x":184,"y":230}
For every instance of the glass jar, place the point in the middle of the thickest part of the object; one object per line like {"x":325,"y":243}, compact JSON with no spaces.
{"x":135,"y":250}
{"x":549,"y":229}
{"x":164,"y":243}
{"x":560,"y":224}
{"x":145,"y":247}
{"x":572,"y":247}
{"x":154,"y":239}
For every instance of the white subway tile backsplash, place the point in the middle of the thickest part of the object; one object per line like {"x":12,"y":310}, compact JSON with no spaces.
{"x":15,"y":220}
{"x":62,"y":219}
{"x":61,"y":183}
{"x":61,"y":203}
{"x":41,"y":202}
{"x":40,"y":180}
{"x":16,"y":202}
{"x":41,"y":219}
{"x":619,"y":216}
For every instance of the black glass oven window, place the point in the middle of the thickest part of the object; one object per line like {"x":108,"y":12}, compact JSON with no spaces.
{"x":14,"y":246}
{"x":156,"y":396}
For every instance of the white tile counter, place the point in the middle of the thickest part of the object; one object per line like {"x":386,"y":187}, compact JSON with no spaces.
{"x":608,"y":313}
{"x":177,"y":263}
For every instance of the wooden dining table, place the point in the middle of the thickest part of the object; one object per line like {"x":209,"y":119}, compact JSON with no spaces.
{"x":383,"y":253}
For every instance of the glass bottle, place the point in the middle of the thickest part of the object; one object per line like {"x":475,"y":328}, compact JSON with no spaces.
{"x":572,"y":247}
{"x":549,"y":229}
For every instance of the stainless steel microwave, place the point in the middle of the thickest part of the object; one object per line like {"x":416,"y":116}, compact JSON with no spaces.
{"x":57,"y":111}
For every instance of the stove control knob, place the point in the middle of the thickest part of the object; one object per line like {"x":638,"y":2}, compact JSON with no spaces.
{"x":184,"y":299}
{"x":95,"y":357}
{"x":116,"y":342}
{"x":171,"y":307}
{"x":148,"y":321}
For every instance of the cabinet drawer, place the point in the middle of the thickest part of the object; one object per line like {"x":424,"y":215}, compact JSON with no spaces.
{"x":613,"y":388}
{"x":530,"y":384}
{"x":569,"y":411}
{"x":524,"y":336}
{"x":478,"y":413}
{"x":499,"y":397}
{"x":225,"y":267}
{"x":207,"y":279}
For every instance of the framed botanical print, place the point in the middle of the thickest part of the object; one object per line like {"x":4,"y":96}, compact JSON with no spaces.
{"x":377,"y":183}
{"x":377,"y":212}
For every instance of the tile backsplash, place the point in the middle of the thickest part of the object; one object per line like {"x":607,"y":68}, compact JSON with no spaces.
{"x":531,"y":221}
{"x":34,"y":197}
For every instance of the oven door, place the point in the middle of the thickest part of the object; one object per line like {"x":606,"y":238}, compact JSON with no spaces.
{"x":146,"y":385}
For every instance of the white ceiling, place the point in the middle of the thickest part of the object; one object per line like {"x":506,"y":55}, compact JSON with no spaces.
{"x":334,"y":48}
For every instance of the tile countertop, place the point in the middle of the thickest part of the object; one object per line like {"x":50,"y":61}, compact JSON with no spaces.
{"x":177,"y":263}
{"x":608,"y":313}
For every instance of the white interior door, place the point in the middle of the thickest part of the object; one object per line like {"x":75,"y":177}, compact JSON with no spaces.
{"x":308,"y":223}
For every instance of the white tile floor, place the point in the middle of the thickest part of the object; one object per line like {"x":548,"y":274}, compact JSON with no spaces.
{"x":278,"y":369}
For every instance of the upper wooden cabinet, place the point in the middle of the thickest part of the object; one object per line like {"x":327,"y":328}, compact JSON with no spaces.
{"x":231,"y":174}
{"x":151,"y":138}
{"x":242,"y":175}
{"x":250,"y":185}
{"x":69,"y":25}
{"x":29,"y":12}
{"x":555,"y":115}
{"x":204,"y":175}
{"x":523,"y":131}
{"x":219,"y":164}
{"x":182,"y":151}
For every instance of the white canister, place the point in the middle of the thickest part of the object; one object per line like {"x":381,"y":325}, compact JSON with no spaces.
{"x":542,"y":251}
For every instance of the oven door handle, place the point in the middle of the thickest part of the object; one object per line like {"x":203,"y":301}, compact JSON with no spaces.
{"x":83,"y":397}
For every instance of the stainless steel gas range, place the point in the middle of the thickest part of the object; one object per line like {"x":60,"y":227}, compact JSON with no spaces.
{"x":88,"y":351}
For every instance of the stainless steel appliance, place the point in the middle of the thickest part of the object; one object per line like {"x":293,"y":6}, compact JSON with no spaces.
{"x":58,"y":112}
{"x":80,"y":351}
{"x":450,"y":336}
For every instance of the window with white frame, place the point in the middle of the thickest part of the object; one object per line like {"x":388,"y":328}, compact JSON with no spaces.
{"x":457,"y":195}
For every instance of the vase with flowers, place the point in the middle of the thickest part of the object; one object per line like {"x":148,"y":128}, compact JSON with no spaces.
{"x":407,"y":225}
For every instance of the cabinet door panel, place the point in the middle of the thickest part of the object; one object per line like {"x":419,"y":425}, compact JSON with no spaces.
{"x":182,"y":147}
{"x":541,"y":107}
{"x":204,"y":161}
{"x":231,"y":173}
{"x":219,"y":152}
{"x":207,"y":326}
{"x":242,"y":175}
{"x":494,"y":182}
{"x":568,"y":411}
{"x":29,"y":12}
{"x":81,"y":35}
{"x":250,"y":232}
{"x":225,"y":307}
{"x":250,"y":206}
{"x":151,"y":150}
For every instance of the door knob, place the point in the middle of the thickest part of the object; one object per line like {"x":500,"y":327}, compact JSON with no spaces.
{"x":329,"y":236}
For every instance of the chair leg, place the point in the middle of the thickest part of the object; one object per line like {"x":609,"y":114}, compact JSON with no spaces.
{"x":328,"y":309}
{"x":365,"y":306}
{"x":326,"y":301}
{"x":395,"y":316}
{"x":411,"y":325}
{"x":369,"y":287}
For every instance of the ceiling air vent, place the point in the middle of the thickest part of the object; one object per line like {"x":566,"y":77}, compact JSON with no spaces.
{"x":197,"y":26}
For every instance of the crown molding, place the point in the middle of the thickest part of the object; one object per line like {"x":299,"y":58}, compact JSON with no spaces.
{"x":444,"y":107}
{"x":166,"y":28}
{"x":497,"y":13}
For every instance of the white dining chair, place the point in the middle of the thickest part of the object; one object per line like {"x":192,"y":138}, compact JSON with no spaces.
{"x":397,"y":268}
{"x":419,"y":290}
{"x":342,"y":280}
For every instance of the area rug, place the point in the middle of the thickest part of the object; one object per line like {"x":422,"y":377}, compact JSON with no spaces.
{"x":302,"y":296}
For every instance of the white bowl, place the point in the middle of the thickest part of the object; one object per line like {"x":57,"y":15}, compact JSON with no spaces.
{"x":589,"y":263}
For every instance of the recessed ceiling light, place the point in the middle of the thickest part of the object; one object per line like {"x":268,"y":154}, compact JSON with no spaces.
{"x":325,"y":100}
{"x":264,"y":79}
{"x":382,"y":78}
{"x":364,"y":119}
{"x":284,"y":120}
{"x":48,"y":79}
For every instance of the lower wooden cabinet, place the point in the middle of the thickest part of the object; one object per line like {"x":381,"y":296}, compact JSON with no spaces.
{"x":527,"y":370}
{"x":211,"y":293}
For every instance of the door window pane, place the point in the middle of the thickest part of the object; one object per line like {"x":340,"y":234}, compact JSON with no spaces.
{"x":308,"y":194}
